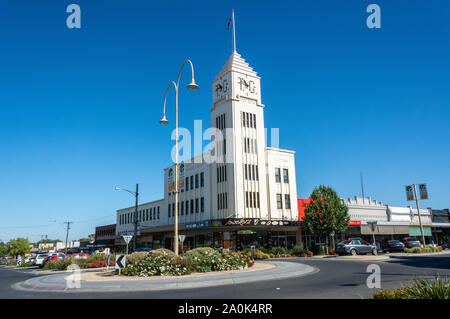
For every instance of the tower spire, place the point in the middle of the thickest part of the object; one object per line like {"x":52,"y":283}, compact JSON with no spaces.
{"x":234,"y":32}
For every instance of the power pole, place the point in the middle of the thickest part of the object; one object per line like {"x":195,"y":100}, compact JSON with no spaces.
{"x":136,"y":217}
{"x":362,"y":185}
{"x":67,"y":233}
{"x":418,"y":213}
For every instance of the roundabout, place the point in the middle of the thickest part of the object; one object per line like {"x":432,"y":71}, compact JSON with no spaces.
{"x":91,"y":281}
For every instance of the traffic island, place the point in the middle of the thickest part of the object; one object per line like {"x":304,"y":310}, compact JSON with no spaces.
{"x":89,"y":282}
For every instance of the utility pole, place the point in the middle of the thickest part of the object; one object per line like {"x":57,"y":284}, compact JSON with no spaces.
{"x":67,"y":233}
{"x":418,"y":213}
{"x":135,"y":218}
{"x":362,"y":185}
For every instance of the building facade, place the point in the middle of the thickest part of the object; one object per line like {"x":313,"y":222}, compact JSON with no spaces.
{"x":237,"y":194}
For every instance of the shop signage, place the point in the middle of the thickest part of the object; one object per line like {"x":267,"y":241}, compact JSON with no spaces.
{"x":203,"y":224}
{"x":354,"y":223}
{"x":258,"y":222}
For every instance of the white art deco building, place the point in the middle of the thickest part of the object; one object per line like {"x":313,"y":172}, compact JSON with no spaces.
{"x":248,"y":196}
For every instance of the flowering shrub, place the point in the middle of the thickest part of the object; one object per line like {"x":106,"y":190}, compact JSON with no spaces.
{"x":234,"y":261}
{"x":197,"y":260}
{"x":157,"y":265}
{"x":135,"y":258}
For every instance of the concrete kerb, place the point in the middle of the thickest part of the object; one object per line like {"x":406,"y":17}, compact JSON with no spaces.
{"x":57,"y":283}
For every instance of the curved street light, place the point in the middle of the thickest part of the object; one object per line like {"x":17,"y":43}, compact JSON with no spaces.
{"x":135,"y":194}
{"x":191,"y":86}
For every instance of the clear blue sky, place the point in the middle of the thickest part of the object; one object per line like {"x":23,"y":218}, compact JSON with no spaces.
{"x":79,"y":109}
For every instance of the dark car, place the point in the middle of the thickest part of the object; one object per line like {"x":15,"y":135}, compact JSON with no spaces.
{"x":355,"y":246}
{"x":395,"y":245}
{"x":411,"y":242}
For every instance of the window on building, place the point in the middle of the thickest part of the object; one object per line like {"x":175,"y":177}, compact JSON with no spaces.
{"x":246,"y":199}
{"x":151,"y":215}
{"x":279,"y":202}
{"x":197,"y":206}
{"x":187,"y":183}
{"x":277,"y":175}
{"x":285,"y":175}
{"x":182,"y":208}
{"x":187,"y":207}
{"x":245,"y":171}
{"x":202,"y":204}
{"x":257,"y":174}
{"x":202,"y":180}
{"x":218,"y":201}
{"x":154,"y":212}
{"x":169,"y":209}
{"x":192,"y":182}
{"x":196,"y":181}
{"x":287,"y":201}
{"x":257,"y":197}
{"x":192,"y":206}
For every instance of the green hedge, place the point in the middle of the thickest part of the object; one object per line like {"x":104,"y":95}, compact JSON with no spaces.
{"x":420,"y":250}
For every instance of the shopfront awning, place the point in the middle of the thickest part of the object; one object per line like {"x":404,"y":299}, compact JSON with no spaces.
{"x":385,"y":230}
{"x":415,"y":231}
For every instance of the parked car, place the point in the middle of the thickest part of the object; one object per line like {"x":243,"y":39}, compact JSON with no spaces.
{"x":29,"y":259}
{"x":411,"y":242}
{"x":395,"y":245}
{"x":39,"y":259}
{"x":78,"y":256}
{"x":355,"y":246}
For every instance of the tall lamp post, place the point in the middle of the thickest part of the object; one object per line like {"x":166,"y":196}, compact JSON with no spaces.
{"x":191,"y":86}
{"x":135,"y":194}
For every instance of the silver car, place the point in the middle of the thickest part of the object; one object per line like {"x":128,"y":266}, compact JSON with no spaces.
{"x":355,"y":246}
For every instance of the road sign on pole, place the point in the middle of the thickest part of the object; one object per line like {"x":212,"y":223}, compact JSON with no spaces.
{"x":120,"y":261}
{"x":127,"y":239}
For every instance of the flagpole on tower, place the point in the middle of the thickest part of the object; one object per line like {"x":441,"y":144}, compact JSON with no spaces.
{"x":234,"y":32}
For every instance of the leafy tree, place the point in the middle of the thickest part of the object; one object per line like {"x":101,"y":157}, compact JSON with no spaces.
{"x":19,"y":246}
{"x":3,"y":249}
{"x":326,"y":213}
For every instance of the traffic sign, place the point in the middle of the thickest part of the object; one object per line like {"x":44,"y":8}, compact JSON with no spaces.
{"x":127,"y":238}
{"x":181,"y":238}
{"x":372,"y":225}
{"x":120,"y":261}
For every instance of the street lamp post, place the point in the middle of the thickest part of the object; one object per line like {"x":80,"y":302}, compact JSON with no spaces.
{"x":191,"y":86}
{"x":135,"y":222}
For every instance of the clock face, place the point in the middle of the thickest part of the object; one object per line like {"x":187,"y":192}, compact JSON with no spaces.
{"x":247,"y":86}
{"x":221,"y":88}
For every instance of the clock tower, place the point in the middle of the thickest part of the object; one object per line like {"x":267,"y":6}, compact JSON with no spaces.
{"x":240,"y":181}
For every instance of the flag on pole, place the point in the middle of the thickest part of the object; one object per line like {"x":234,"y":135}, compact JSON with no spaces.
{"x":229,"y":23}
{"x":423,"y":191}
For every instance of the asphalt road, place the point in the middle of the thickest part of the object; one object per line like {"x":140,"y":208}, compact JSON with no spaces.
{"x":336,"y":279}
